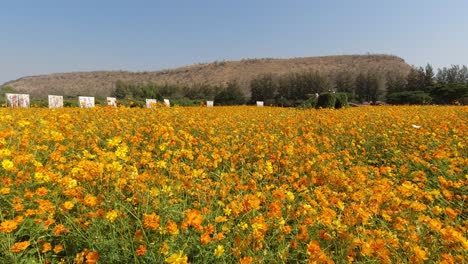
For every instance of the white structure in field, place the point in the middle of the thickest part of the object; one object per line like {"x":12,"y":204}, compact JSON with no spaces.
{"x":166,"y":102}
{"x":112,"y":101}
{"x":150,"y":102}
{"x":86,"y":101}
{"x":55,"y":101}
{"x":17,"y":100}
{"x":209,"y":103}
{"x":260,"y":103}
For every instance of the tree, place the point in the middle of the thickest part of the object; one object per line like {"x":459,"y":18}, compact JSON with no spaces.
{"x":454,"y":74}
{"x":121,"y":90}
{"x":361,"y":87}
{"x":449,"y":92}
{"x":428,"y":78}
{"x":344,"y":82}
{"x":395,"y":82}
{"x":263,"y":87}
{"x":376,"y":86}
{"x":230,"y":95}
{"x":416,"y":79}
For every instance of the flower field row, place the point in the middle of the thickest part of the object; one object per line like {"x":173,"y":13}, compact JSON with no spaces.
{"x":234,"y":185}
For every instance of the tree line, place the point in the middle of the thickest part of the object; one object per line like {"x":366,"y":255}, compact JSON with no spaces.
{"x":420,"y":86}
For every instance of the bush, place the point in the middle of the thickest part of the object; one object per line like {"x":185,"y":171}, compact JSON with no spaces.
{"x":448,"y":93}
{"x":326,"y":100}
{"x":231,"y":95}
{"x":409,"y":97}
{"x":341,"y":100}
{"x":184,"y":101}
{"x":310,"y":103}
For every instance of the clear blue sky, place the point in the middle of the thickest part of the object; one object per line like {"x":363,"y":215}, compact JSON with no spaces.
{"x":47,"y":36}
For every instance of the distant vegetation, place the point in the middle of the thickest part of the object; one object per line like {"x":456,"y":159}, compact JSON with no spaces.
{"x":419,"y":86}
{"x":103,"y":83}
{"x":372,"y":79}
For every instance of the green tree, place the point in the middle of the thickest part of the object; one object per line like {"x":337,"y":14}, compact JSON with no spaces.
{"x":121,"y":90}
{"x":263,"y":87}
{"x":230,"y":95}
{"x":344,"y":82}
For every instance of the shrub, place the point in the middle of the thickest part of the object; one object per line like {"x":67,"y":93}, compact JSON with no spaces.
{"x":341,"y":100}
{"x":310,"y":103}
{"x":409,"y":97}
{"x":326,"y":100}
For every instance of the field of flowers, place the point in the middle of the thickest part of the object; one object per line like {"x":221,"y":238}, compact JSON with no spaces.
{"x":234,"y":185}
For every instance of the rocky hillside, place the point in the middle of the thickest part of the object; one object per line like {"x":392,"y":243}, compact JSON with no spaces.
{"x":102,"y":83}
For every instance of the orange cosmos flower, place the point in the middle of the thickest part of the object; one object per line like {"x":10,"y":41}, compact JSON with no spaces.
{"x":68,"y":205}
{"x":8,"y":226}
{"x":19,"y":246}
{"x":450,"y":212}
{"x":60,"y":229}
{"x":138,"y":235}
{"x":141,"y":250}
{"x":90,"y":200}
{"x":58,"y":248}
{"x":193,"y":218}
{"x":172,"y":228}
{"x":420,"y":255}
{"x":42,"y":191}
{"x":46,"y":247}
{"x":246,"y":260}
{"x":151,"y":221}
{"x":92,"y":257}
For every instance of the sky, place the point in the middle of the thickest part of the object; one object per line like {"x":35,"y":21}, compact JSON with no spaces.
{"x":54,"y":36}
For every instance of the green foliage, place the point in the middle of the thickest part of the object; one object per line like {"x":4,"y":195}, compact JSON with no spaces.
{"x":409,"y":97}
{"x":298,"y":86}
{"x":310,"y":103}
{"x":453,"y":74}
{"x":326,"y":100}
{"x":70,"y":102}
{"x":231,"y":95}
{"x":344,"y":82}
{"x":263,"y":87}
{"x":341,"y":100}
{"x":184,"y":101}
{"x":449,"y":93}
{"x":395,"y":82}
{"x":370,"y":86}
{"x":39,"y":102}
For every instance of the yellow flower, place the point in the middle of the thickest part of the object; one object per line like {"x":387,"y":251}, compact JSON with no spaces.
{"x":121,"y":152}
{"x":178,"y":258}
{"x":112,"y":215}
{"x":219,"y":251}
{"x":164,"y":249}
{"x":114,"y":142}
{"x":68,"y":205}
{"x":5,"y":190}
{"x":8,"y":165}
{"x":220,"y":219}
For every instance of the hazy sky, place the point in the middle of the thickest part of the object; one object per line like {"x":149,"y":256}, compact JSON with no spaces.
{"x":46,"y":36}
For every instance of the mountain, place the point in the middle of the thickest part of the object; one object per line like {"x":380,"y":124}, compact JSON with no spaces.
{"x":102,"y":83}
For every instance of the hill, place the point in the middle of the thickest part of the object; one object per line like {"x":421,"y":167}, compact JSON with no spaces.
{"x":102,"y":83}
